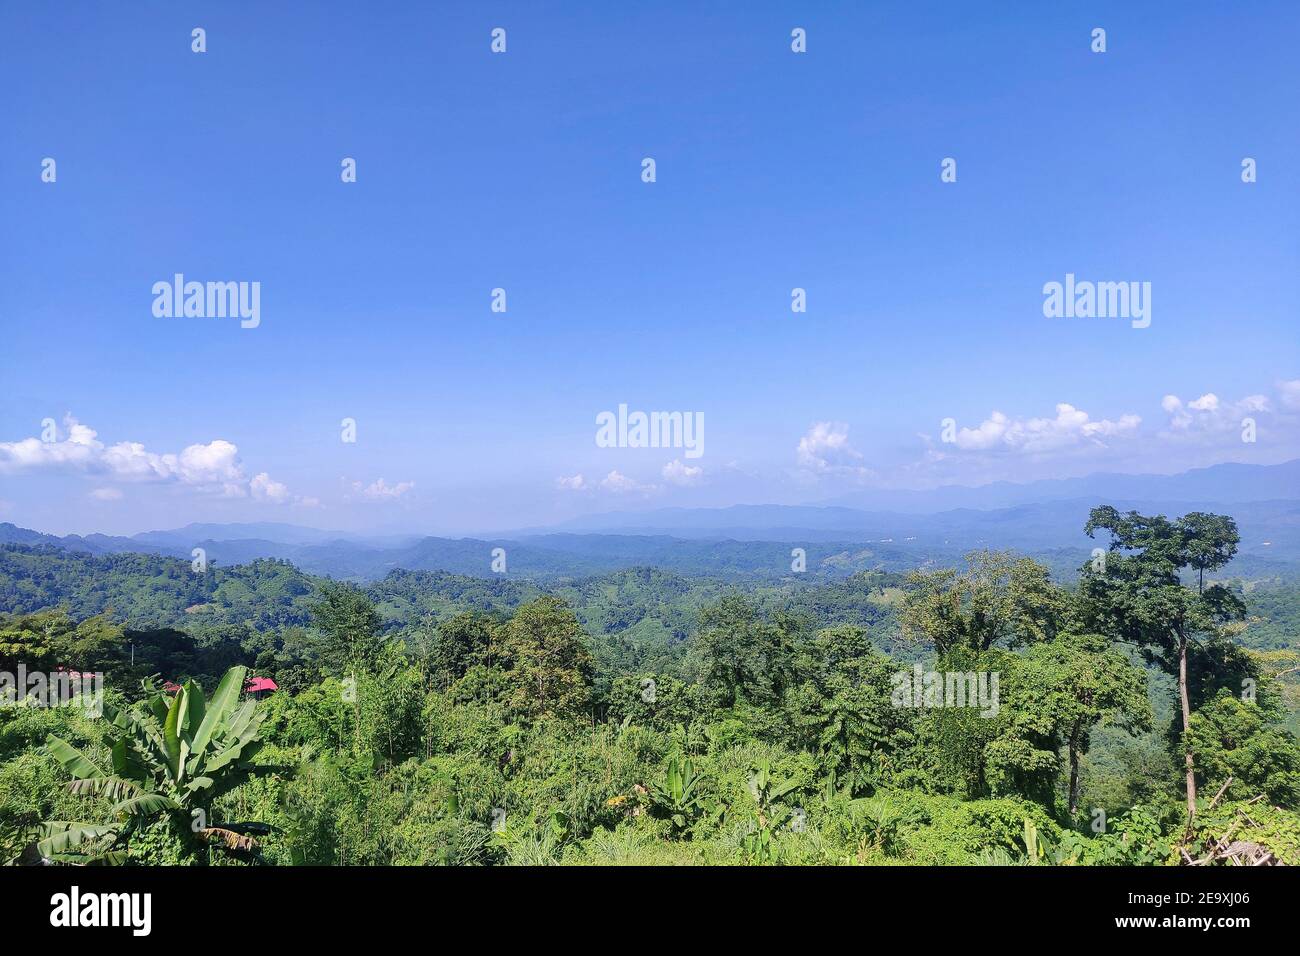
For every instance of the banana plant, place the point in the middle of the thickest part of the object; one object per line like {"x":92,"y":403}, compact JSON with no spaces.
{"x":880,"y":822}
{"x":169,"y":759}
{"x":1038,"y":851}
{"x":769,"y":814}
{"x":766,"y":793}
{"x":1037,"y":846}
{"x":678,"y":797}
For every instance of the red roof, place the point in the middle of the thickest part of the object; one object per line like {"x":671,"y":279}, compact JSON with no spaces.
{"x":255,"y":684}
{"x":171,"y":687}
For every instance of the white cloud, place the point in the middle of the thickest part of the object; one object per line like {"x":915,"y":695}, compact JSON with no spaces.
{"x":620,"y":484}
{"x":574,"y":483}
{"x":1209,"y":414}
{"x":1187,"y":432}
{"x":80,"y":449}
{"x":211,"y":467}
{"x":676,"y":472}
{"x":216,"y":463}
{"x":380,"y":489}
{"x":263,"y":488}
{"x":826,"y":444}
{"x":106,"y":494}
{"x":1070,"y":427}
{"x":825,"y":450}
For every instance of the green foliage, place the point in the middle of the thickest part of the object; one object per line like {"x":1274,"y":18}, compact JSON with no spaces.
{"x":1240,"y":741}
{"x":647,"y":717}
{"x":545,"y":650}
{"x":350,"y":628}
{"x":168,"y":762}
{"x":1273,"y":828}
{"x":999,"y":600}
{"x":677,"y":797}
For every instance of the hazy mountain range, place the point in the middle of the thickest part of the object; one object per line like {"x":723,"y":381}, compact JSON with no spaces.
{"x":1044,"y":518}
{"x":1228,"y":483}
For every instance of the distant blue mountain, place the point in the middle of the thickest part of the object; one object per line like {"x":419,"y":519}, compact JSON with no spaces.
{"x":1230,"y":482}
{"x":1046,"y":519}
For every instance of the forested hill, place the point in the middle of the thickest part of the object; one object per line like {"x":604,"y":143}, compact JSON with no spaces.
{"x":547,"y":557}
{"x":641,"y":605}
{"x":151,"y":591}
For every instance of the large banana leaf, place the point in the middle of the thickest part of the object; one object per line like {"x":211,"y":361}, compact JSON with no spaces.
{"x":191,"y":715}
{"x":158,"y":706}
{"x":171,"y":736}
{"x":145,"y":804}
{"x":223,"y":701}
{"x":149,"y":747}
{"x":60,"y":836}
{"x":237,"y":751}
{"x":73,"y":760}
{"x":242,"y":725}
{"x":126,"y":764}
{"x":112,"y":787}
{"x":192,"y":718}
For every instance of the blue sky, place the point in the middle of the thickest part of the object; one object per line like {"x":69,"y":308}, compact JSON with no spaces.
{"x":522,"y":171}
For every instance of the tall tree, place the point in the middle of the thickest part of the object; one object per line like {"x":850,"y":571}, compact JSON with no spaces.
{"x":997,"y":599}
{"x":1136,"y":592}
{"x":1087,"y":683}
{"x":550,"y":666}
{"x":739,"y":654}
{"x":462,"y":642}
{"x":349,"y":625}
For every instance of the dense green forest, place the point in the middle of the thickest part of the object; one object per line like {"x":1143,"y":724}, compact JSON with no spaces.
{"x":992,"y":712}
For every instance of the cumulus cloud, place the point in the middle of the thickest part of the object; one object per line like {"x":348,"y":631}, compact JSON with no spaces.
{"x":210,"y":467}
{"x":216,"y":463}
{"x":620,"y":484}
{"x":677,"y":472}
{"x":573,"y":483}
{"x":106,"y":494}
{"x":615,"y":483}
{"x":1071,"y":427}
{"x":264,"y":488}
{"x":1209,"y":414}
{"x":825,"y":450}
{"x":1187,"y":432}
{"x":824,"y":444}
{"x":379,"y":489}
{"x":79,"y":449}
